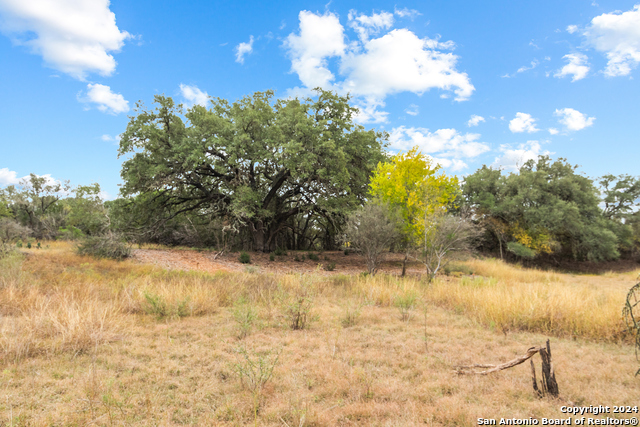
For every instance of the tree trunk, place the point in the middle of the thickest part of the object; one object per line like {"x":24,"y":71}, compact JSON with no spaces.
{"x":258,"y":236}
{"x":404,"y":264}
{"x":549,"y":384}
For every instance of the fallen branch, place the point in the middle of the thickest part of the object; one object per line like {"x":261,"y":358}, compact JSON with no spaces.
{"x":461,"y":370}
{"x":548,"y":384}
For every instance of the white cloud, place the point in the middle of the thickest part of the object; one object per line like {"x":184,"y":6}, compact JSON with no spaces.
{"x":193,"y":95}
{"x":368,"y":111}
{"x":574,"y":120}
{"x":475,"y":120}
{"x":398,"y":61}
{"x":320,"y":37}
{"x":406,"y":13}
{"x":513,"y":158}
{"x":553,"y":131}
{"x":8,"y":177}
{"x":572,"y":29}
{"x":578,"y":67}
{"x":109,"y":138}
{"x":617,"y":35}
{"x":413,"y":110}
{"x":366,"y":26}
{"x":523,"y":123}
{"x":244,"y":49}
{"x":443,"y":143}
{"x":75,"y":37}
{"x":534,"y":64}
{"x":105,"y":99}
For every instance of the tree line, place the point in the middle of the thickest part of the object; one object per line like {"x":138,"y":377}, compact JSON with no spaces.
{"x":264,"y":174}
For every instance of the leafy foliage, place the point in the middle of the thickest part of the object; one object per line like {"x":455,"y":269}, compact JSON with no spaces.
{"x":546,"y":208}
{"x":415,"y":188}
{"x":259,"y":165}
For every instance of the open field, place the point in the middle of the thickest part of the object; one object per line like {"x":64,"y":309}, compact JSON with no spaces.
{"x":97,"y":342}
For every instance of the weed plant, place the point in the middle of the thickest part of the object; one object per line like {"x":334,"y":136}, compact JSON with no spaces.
{"x":244,"y":314}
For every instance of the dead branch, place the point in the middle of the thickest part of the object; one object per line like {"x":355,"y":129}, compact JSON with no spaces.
{"x":461,"y":370}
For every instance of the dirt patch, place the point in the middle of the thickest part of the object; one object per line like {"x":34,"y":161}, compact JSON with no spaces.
{"x":211,"y":262}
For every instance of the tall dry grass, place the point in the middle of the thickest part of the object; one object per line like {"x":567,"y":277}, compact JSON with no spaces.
{"x":510,"y":298}
{"x":58,"y":301}
{"x":391,"y":366}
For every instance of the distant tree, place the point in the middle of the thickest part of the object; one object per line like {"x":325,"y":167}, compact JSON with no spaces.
{"x":371,"y":231}
{"x":49,"y":207}
{"x":546,"y":207}
{"x":620,"y":194}
{"x":445,"y":233}
{"x":10,"y":231}
{"x":86,"y":210}
{"x":417,"y":189}
{"x":256,"y":163}
{"x":35,"y":202}
{"x":621,"y":198}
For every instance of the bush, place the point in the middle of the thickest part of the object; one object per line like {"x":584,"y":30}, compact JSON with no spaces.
{"x":107,"y":246}
{"x":69,"y":233}
{"x":245,"y":258}
{"x":280,"y":252}
{"x":11,"y":231}
{"x":520,"y":250}
{"x":371,"y":231}
{"x":405,"y":303}
{"x":330,"y":267}
{"x":272,"y":256}
{"x":313,"y":257}
{"x":245,"y":316}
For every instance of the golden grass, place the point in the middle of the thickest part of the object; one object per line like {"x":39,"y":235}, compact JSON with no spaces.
{"x":97,"y":354}
{"x":509,"y":298}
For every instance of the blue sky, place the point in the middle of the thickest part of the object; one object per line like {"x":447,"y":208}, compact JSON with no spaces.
{"x":471,"y":83}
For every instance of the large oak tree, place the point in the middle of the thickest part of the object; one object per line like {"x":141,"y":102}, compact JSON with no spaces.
{"x":256,"y":163}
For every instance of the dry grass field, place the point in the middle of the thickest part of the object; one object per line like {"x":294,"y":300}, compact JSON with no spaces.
{"x":97,"y":342}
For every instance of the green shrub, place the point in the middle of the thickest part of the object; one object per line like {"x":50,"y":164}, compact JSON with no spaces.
{"x":272,"y":256}
{"x":346,"y":252}
{"x":313,"y":257}
{"x":69,"y":233}
{"x":405,"y":302}
{"x":280,"y":252}
{"x":298,"y":259}
{"x":107,"y":246}
{"x":245,"y":315}
{"x":521,"y":250}
{"x":245,"y":258}
{"x":330,"y":267}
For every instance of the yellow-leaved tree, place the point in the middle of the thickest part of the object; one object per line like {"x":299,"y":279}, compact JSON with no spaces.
{"x":420,"y":192}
